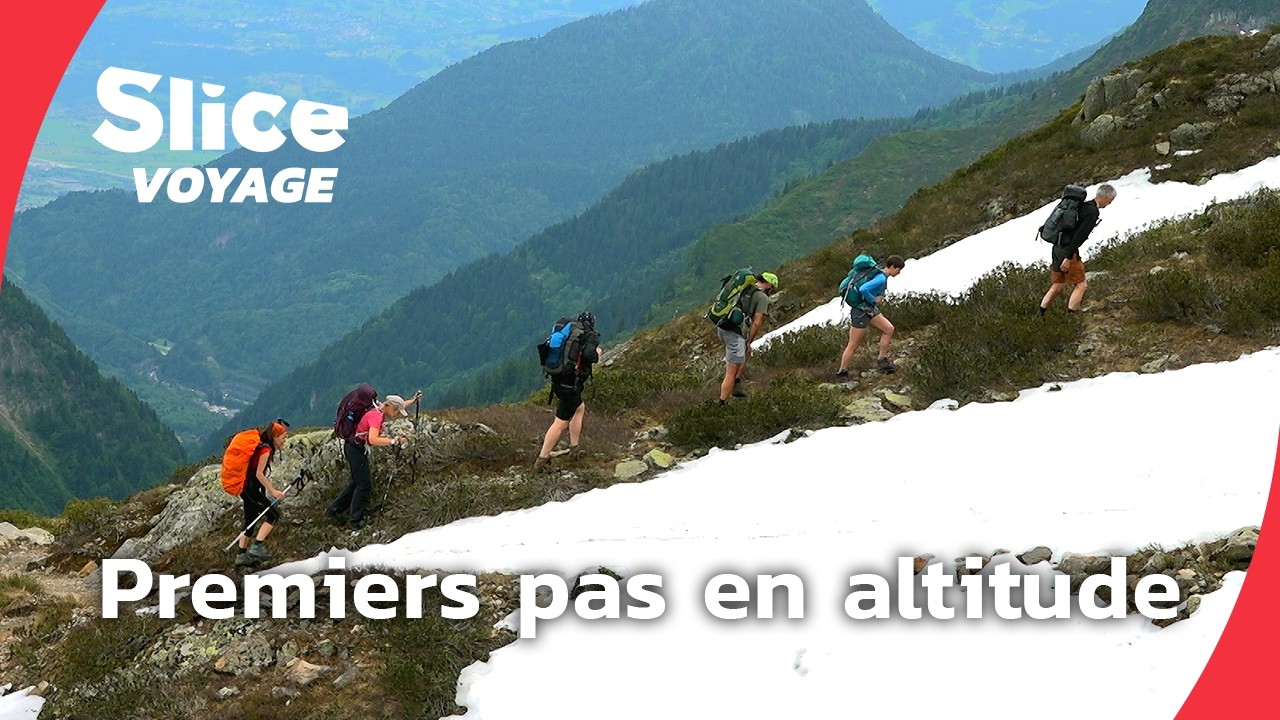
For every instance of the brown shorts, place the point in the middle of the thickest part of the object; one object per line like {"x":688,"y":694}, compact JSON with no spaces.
{"x":1074,"y":274}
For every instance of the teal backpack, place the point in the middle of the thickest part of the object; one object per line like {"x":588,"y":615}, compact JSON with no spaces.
{"x":726,"y":312}
{"x":864,"y":269}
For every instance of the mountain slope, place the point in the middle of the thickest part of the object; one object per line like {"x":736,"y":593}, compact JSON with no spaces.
{"x":472,"y":161}
{"x":65,"y":431}
{"x":857,"y":192}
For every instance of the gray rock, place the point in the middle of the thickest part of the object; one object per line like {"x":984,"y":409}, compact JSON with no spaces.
{"x":1163,"y":147}
{"x":346,"y":678}
{"x":1155,"y":270}
{"x":1272,"y":45}
{"x":1188,"y":134}
{"x":897,"y":400}
{"x":227,"y":692}
{"x":302,"y":673}
{"x":1095,"y":102}
{"x":1091,"y":275}
{"x":1239,"y":547}
{"x":867,"y":409}
{"x":628,"y":469}
{"x":1098,"y":130}
{"x":1036,"y":555}
{"x":659,"y":459}
{"x":1085,"y":348}
{"x":245,"y":656}
{"x":1225,"y":104}
{"x":287,"y":653}
{"x":284,"y":693}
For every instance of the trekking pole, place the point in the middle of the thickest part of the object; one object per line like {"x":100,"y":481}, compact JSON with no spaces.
{"x":300,"y":482}
{"x":413,"y":472}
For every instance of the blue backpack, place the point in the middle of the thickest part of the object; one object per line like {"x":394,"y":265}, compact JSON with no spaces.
{"x":560,"y":352}
{"x":864,"y":269}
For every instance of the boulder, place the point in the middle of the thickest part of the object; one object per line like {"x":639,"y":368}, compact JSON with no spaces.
{"x":628,"y":469}
{"x":1192,"y":133}
{"x":1099,"y":129}
{"x":659,"y":459}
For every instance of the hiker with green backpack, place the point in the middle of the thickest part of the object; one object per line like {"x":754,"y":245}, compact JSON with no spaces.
{"x":738,"y":312}
{"x":567,"y":356}
{"x":863,"y":290}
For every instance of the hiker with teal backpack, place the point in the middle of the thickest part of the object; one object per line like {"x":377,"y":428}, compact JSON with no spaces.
{"x":567,"y":356}
{"x":863,"y":289}
{"x":738,"y":312}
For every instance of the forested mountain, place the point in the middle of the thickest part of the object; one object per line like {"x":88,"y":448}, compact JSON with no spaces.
{"x":472,"y":161}
{"x":66,"y":431}
{"x":615,"y":257}
{"x":847,"y":196}
{"x":354,"y":53}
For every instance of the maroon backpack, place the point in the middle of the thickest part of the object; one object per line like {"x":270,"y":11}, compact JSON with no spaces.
{"x":353,"y":407}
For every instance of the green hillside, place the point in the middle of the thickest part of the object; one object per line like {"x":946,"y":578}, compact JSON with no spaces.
{"x":472,"y":161}
{"x":66,"y":431}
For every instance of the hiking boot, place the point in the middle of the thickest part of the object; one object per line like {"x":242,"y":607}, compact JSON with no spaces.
{"x":357,"y":524}
{"x":738,"y":393}
{"x":576,"y":453}
{"x":842,"y":373}
{"x":244,"y":559}
{"x":543,"y":464}
{"x":258,"y":551}
{"x":886,"y":366}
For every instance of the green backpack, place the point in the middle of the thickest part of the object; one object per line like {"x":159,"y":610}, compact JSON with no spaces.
{"x":864,"y":269}
{"x":726,"y":311}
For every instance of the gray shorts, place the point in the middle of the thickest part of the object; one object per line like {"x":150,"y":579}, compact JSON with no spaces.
{"x":861,"y":317}
{"x":735,"y":346}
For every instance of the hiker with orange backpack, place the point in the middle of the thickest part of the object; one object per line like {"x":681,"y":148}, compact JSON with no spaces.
{"x":246,"y":472}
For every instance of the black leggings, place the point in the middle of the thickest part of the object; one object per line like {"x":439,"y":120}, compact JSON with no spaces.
{"x":356,"y":494}
{"x":255,"y":501}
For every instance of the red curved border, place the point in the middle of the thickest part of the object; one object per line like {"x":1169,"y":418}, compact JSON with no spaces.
{"x":38,"y":40}
{"x":1239,"y":679}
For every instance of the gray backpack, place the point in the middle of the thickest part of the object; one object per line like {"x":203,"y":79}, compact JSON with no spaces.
{"x":1065,"y":216}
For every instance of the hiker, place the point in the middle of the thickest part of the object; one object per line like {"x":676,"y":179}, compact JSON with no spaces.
{"x":368,"y":433}
{"x":1065,"y":265}
{"x":864,"y":290}
{"x":257,"y":488}
{"x":566,"y":387}
{"x":753,"y":302}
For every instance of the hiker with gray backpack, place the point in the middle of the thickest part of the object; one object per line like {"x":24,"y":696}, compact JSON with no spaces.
{"x":863,"y":290}
{"x":738,"y":312}
{"x":567,"y":356}
{"x":1067,"y":228}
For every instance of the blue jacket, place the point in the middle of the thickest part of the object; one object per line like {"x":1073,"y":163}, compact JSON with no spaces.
{"x":874,"y":288}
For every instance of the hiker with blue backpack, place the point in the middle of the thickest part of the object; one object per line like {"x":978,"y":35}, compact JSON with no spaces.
{"x":567,"y":356}
{"x":863,"y":290}
{"x":1067,"y":228}
{"x":738,"y":312}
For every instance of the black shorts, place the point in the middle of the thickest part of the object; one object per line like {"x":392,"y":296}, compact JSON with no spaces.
{"x":570,"y":397}
{"x":861,"y":317}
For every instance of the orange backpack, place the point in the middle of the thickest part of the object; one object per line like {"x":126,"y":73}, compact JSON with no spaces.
{"x":235,"y":461}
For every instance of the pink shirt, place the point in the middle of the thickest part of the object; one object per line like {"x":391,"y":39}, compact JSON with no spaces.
{"x":371,"y":419}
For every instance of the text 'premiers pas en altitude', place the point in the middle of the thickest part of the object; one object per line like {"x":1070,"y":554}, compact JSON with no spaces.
{"x":1011,"y":594}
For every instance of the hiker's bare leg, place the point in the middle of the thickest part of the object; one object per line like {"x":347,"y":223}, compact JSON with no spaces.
{"x":855,"y":339}
{"x":1077,"y":296}
{"x":264,"y":530}
{"x":553,"y":436}
{"x":881,"y":323}
{"x":730,"y":374}
{"x":575,"y":425}
{"x":1054,"y":289}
